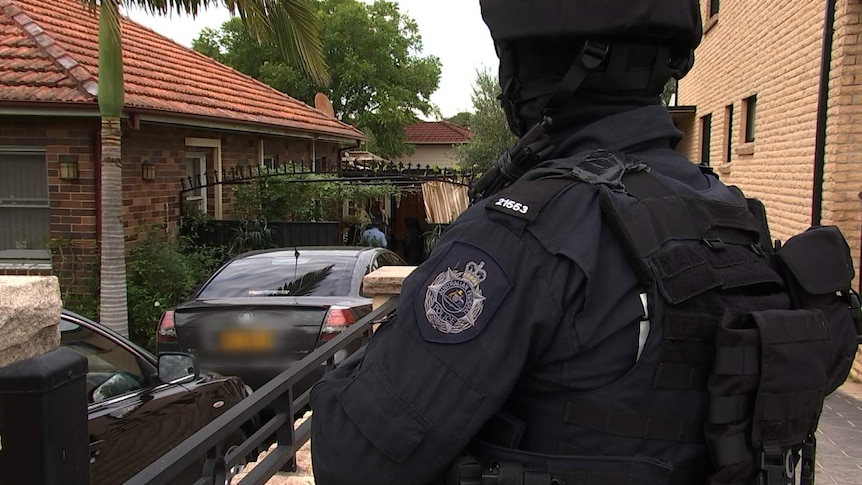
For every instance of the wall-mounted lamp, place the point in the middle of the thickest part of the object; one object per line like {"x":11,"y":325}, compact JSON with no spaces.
{"x":69,"y":170}
{"x":148,"y":171}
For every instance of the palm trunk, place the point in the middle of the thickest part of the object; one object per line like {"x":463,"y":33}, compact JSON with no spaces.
{"x":113,"y":309}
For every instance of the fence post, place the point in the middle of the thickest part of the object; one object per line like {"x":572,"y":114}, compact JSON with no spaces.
{"x":384,"y":283}
{"x":43,"y":393}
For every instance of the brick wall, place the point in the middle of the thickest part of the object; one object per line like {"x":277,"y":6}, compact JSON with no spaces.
{"x":772,"y":49}
{"x":843,"y":170}
{"x":72,"y":202}
{"x":73,"y":205}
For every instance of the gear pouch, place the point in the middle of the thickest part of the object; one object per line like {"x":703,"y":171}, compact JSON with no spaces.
{"x":818,"y":271}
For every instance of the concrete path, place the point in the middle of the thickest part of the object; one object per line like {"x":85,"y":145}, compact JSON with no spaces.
{"x":839,"y":438}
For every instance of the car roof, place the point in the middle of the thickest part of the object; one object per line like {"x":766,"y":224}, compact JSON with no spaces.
{"x":332,"y":251}
{"x":80,"y":319}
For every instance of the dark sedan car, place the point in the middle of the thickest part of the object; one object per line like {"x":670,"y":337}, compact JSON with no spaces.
{"x":141,"y":407}
{"x":264,"y":310}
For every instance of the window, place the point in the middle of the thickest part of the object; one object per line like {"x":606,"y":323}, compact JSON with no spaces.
{"x":269,"y":161}
{"x":24,"y":204}
{"x":713,"y":7}
{"x":728,"y":116}
{"x":196,"y":169}
{"x":705,"y":136}
{"x":750,"y":118}
{"x":112,"y":369}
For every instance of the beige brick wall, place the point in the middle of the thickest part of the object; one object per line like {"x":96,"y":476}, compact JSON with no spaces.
{"x":772,"y":49}
{"x":433,"y":155}
{"x":843,"y":169}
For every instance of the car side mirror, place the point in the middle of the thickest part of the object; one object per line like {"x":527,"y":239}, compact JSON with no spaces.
{"x":174,"y":366}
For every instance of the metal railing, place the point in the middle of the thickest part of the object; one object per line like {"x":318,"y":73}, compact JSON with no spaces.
{"x":206,"y":444}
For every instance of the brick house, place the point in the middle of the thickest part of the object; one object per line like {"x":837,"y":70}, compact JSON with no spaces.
{"x":185,"y":115}
{"x":762,"y":82}
{"x":434,"y":143}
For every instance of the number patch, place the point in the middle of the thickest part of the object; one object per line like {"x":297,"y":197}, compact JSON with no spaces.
{"x":513,"y":205}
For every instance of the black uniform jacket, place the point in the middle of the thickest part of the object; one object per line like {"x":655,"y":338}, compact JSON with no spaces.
{"x":501,"y":313}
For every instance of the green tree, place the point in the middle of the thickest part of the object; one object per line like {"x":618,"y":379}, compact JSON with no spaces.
{"x":290,"y":24}
{"x":669,"y":91}
{"x":380,"y":80}
{"x":491,"y":135}
{"x":461,"y":119}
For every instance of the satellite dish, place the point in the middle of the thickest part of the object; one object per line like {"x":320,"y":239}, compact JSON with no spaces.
{"x":322,"y":103}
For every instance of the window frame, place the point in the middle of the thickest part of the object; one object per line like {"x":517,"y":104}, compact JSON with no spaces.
{"x":750,"y":132}
{"x":705,"y":138}
{"x":728,"y":116}
{"x":39,"y":254}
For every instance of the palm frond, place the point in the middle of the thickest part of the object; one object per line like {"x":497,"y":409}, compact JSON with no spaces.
{"x":292,"y":26}
{"x":307,"y":283}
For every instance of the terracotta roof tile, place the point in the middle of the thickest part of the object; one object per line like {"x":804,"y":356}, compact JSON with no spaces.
{"x":437,"y":132}
{"x":160,"y":75}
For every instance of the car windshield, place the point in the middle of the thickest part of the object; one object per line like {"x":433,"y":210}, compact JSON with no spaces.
{"x":261,"y":276}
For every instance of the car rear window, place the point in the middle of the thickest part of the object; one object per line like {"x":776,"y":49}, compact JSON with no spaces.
{"x":282,"y":276}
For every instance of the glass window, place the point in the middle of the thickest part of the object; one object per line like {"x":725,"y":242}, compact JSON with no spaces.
{"x":713,"y":7}
{"x":728,"y":115}
{"x":24,"y":204}
{"x":113,"y":370}
{"x":750,"y":118}
{"x":705,"y":138}
{"x":308,"y":275}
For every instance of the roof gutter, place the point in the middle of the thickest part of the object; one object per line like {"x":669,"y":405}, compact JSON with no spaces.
{"x":249,"y":127}
{"x":822,"y":107}
{"x":65,"y":110}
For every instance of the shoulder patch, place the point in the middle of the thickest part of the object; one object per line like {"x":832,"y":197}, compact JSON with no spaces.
{"x":460,"y":295}
{"x":525,"y":200}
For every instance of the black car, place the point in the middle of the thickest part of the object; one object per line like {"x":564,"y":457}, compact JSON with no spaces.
{"x":141,"y":407}
{"x":264,"y":310}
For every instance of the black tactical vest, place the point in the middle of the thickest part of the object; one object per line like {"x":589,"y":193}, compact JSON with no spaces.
{"x":742,"y":344}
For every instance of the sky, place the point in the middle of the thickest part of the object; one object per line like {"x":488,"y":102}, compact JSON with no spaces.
{"x":452,"y":30}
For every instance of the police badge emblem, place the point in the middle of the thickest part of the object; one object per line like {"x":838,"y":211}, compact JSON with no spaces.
{"x":454,"y":300}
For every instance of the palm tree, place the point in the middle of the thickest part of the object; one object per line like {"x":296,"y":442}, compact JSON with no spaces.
{"x":291,"y":25}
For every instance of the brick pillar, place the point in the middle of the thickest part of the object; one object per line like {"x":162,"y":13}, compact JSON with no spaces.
{"x":385,"y":283}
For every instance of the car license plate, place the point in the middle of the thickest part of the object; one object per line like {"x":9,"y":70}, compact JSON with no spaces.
{"x":247,"y":340}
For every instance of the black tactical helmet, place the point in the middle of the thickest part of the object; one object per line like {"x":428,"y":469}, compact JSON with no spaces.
{"x":619,"y":47}
{"x":670,"y":22}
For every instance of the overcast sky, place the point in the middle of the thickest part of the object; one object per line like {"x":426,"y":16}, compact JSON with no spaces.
{"x":451,"y":29}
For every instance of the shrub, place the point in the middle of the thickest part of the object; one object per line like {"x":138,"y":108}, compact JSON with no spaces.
{"x":163,"y":271}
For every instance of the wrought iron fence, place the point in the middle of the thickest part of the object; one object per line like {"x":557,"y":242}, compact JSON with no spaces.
{"x":206,"y":444}
{"x":372,"y":172}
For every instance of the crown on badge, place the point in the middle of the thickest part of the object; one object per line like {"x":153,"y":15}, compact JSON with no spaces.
{"x":474,"y":273}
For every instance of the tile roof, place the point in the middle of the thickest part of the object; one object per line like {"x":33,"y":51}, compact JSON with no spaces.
{"x":437,"y":132}
{"x":49,"y":53}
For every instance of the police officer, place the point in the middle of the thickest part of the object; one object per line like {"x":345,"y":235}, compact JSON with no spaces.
{"x":526,"y":350}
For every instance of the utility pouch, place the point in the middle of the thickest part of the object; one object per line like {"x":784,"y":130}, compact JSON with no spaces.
{"x":818,"y":271}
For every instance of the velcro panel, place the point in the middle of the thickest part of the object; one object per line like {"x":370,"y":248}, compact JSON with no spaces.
{"x":739,"y":266}
{"x":690,"y":326}
{"x":796,"y":353}
{"x":684,"y":272}
{"x":640,"y":426}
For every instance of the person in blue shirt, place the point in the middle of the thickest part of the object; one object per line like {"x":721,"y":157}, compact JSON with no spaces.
{"x":373,"y":236}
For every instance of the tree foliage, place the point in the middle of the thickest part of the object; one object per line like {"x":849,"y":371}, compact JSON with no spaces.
{"x":461,"y":119}
{"x":379,"y":79}
{"x":491,"y":135}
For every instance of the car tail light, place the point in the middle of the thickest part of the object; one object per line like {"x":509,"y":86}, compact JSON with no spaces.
{"x":337,"y":319}
{"x":167,"y":332}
